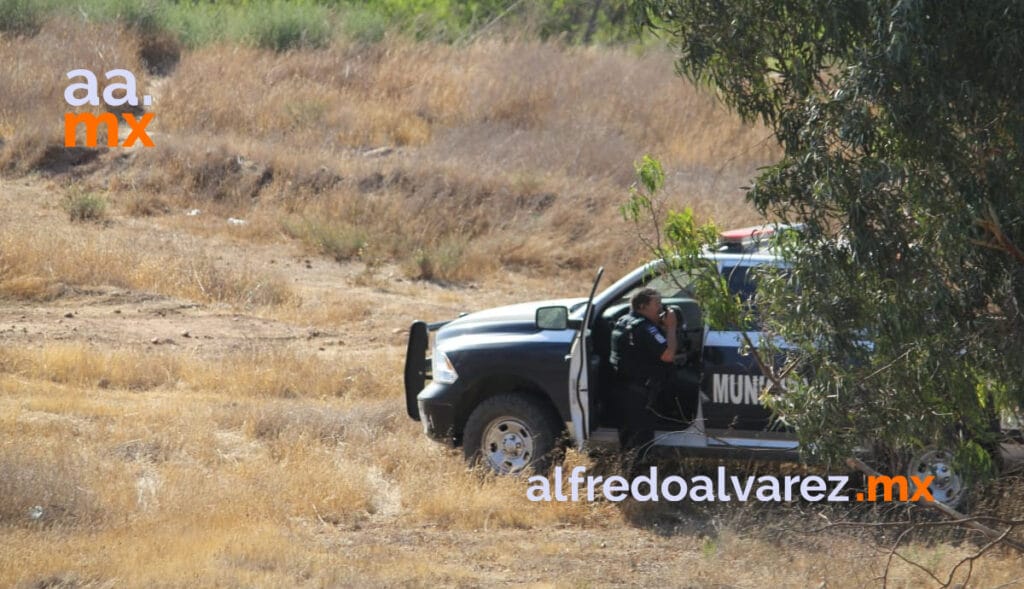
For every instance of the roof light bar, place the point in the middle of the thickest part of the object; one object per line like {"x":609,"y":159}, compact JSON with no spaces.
{"x":751,"y":239}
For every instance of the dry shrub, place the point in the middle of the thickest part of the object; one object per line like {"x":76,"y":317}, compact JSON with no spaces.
{"x":57,"y":486}
{"x":358,"y":424}
{"x":194,"y":173}
{"x":91,"y":256}
{"x":87,"y":366}
{"x":262,"y":372}
{"x":32,"y":93}
{"x":159,"y":51}
{"x":497,"y":144}
{"x":137,"y":204}
{"x":340,"y":240}
{"x":30,"y":287}
{"x":27,"y":145}
{"x":253,"y":373}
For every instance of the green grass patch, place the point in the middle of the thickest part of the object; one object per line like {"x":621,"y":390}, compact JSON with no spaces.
{"x":283,"y":25}
{"x":271,"y":24}
{"x":288,"y":25}
{"x":364,"y":24}
{"x":21,"y":16}
{"x":339,"y":240}
{"x":84,"y":206}
{"x":442,"y":262}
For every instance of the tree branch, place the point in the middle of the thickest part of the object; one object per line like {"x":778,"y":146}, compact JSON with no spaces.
{"x":999,"y":240}
{"x":893,"y":552}
{"x":970,"y":559}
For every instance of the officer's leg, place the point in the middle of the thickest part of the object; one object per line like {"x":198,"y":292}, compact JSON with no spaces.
{"x":637,"y":431}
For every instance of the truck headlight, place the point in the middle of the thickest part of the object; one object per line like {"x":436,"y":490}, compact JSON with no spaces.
{"x":443,"y":371}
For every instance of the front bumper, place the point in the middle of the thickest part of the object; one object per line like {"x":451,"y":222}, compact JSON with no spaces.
{"x":435,"y":404}
{"x":438,"y":411}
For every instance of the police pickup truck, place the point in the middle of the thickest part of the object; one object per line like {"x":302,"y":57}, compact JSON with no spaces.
{"x":506,"y":383}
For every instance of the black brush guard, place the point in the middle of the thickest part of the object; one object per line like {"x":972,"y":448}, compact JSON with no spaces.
{"x":417,"y":363}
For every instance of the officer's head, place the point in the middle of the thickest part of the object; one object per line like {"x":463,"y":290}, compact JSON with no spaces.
{"x":646,"y":302}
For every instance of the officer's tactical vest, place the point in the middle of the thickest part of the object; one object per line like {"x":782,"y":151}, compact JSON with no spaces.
{"x":629,"y":358}
{"x":623,"y":348}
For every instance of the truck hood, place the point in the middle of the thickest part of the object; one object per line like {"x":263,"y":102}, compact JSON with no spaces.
{"x":517,"y":318}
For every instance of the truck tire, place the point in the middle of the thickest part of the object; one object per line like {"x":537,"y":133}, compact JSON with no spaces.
{"x":948,"y":486}
{"x":510,"y":433}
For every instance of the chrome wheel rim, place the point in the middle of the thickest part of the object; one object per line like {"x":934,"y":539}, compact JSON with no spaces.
{"x":507,"y":445}
{"x":947,"y":486}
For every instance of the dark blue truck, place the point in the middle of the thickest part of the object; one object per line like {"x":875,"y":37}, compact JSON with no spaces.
{"x":507,"y":383}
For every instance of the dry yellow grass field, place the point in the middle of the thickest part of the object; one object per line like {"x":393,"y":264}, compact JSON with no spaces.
{"x":455,"y":161}
{"x":187,"y":402}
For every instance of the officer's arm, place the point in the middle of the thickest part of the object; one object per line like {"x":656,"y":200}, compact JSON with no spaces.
{"x":669,"y":325}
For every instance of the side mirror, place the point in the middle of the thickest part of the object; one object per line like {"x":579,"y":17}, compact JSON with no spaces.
{"x":552,"y":318}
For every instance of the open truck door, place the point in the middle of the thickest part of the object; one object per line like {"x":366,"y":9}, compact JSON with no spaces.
{"x":581,"y":406}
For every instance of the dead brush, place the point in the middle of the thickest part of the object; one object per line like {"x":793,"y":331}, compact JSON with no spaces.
{"x":355,"y":424}
{"x":36,"y":262}
{"x":87,"y":366}
{"x":31,"y":102}
{"x":483,"y":144}
{"x":196,"y":173}
{"x":53,"y":487}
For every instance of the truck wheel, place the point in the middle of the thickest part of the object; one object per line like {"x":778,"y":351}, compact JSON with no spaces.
{"x":947,"y":486}
{"x":510,"y":433}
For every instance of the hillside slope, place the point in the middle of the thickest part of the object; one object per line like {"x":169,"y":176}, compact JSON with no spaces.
{"x":456,"y":162}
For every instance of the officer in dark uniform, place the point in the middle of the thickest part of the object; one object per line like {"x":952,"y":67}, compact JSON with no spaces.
{"x":643,"y":349}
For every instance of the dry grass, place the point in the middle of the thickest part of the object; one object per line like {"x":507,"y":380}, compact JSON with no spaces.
{"x":254,"y":373}
{"x":275,"y":465}
{"x":41,"y":265}
{"x":498,"y":146}
{"x":182,"y":480}
{"x":196,"y":455}
{"x":32,"y":93}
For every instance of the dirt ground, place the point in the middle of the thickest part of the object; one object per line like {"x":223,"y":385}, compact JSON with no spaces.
{"x":382,"y":300}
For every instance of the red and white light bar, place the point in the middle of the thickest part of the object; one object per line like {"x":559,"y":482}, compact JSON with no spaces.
{"x":753,"y":238}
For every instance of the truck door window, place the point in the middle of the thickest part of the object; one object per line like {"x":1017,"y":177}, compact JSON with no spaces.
{"x":742,"y":281}
{"x":672,"y":285}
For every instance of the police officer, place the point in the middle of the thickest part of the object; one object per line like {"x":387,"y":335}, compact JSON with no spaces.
{"x":643,"y":349}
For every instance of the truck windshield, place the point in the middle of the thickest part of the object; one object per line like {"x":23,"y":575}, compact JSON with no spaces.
{"x":672,"y":285}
